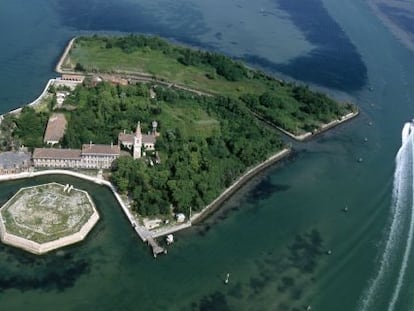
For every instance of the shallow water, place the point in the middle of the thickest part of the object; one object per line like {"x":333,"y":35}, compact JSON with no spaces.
{"x":273,"y":236}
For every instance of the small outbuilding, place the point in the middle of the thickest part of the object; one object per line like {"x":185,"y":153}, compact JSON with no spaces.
{"x":180,"y":217}
{"x":60,"y":98}
{"x":55,"y":129}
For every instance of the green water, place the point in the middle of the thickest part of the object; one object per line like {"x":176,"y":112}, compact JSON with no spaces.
{"x":261,"y":236}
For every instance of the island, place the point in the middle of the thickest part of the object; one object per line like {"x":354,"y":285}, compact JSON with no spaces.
{"x":47,"y":217}
{"x":172,"y":130}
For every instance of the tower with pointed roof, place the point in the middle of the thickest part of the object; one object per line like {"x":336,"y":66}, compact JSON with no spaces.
{"x":138,"y":142}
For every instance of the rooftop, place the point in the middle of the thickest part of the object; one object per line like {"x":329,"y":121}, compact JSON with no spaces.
{"x":12,"y":159}
{"x":93,"y":149}
{"x":126,"y":138}
{"x":52,"y":153}
{"x":55,"y":128}
{"x":148,"y":139}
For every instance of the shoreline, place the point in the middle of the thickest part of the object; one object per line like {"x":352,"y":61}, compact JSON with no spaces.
{"x":334,"y":123}
{"x":58,"y":67}
{"x":309,"y":135}
{"x":141,"y":231}
{"x":36,"y":101}
{"x":40,"y":248}
{"x":146,"y":77}
{"x":242,"y":180}
{"x":137,"y":76}
{"x":145,"y":234}
{"x":225,"y":195}
{"x":149,"y":236}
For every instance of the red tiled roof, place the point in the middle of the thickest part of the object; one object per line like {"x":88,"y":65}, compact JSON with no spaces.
{"x":92,"y":149}
{"x":148,"y":139}
{"x":126,"y":138}
{"x":55,"y":128}
{"x":51,"y":153}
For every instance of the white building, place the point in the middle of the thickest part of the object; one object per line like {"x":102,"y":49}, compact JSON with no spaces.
{"x":60,"y":98}
{"x":137,"y":142}
{"x":91,"y":156}
{"x":12,"y":162}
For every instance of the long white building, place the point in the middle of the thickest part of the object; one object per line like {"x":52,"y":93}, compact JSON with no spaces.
{"x":91,"y":156}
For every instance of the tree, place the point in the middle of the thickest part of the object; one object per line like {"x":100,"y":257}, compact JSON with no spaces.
{"x":79,"y":67}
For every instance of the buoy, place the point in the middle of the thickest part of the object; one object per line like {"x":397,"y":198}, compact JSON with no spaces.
{"x":345,"y":209}
{"x":365,"y":139}
{"x":360,"y":160}
{"x":329,"y":252}
{"x":369,"y":123}
{"x":226,"y":281}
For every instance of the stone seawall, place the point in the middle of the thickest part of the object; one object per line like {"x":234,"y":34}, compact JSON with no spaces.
{"x":142,"y":232}
{"x":37,"y":247}
{"x":42,"y":248}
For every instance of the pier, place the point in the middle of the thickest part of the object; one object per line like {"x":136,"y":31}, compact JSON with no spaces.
{"x":143,"y":233}
{"x":156,"y":249}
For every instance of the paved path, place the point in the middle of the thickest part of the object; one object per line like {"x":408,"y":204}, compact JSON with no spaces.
{"x":58,"y":67}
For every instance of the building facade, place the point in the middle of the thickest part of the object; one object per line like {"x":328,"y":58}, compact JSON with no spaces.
{"x":95,"y":156}
{"x":91,"y":156}
{"x":13,"y":162}
{"x":138,"y":142}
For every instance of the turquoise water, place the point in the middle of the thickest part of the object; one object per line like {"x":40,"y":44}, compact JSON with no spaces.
{"x":273,"y":236}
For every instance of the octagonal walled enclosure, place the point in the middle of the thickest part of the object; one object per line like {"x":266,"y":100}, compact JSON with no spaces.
{"x":42,"y":218}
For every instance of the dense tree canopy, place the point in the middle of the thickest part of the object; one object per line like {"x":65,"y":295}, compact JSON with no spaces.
{"x":30,"y":127}
{"x":205,"y":142}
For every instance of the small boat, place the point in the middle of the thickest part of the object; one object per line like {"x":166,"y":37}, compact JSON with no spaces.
{"x":169,"y":239}
{"x":226,"y":280}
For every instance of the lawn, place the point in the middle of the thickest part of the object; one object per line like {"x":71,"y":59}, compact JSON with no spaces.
{"x":294,"y":108}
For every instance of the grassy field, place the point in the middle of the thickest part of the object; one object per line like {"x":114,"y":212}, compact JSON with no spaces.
{"x":96,"y":58}
{"x":189,"y":118}
{"x":45,"y":213}
{"x":294,"y":108}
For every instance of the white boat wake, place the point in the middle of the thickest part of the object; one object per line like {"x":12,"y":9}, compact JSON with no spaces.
{"x":402,"y":211}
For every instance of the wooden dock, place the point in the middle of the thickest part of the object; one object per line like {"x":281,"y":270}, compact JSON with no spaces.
{"x":156,"y":249}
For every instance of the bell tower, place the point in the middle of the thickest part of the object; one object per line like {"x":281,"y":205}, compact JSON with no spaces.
{"x":138,"y":142}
